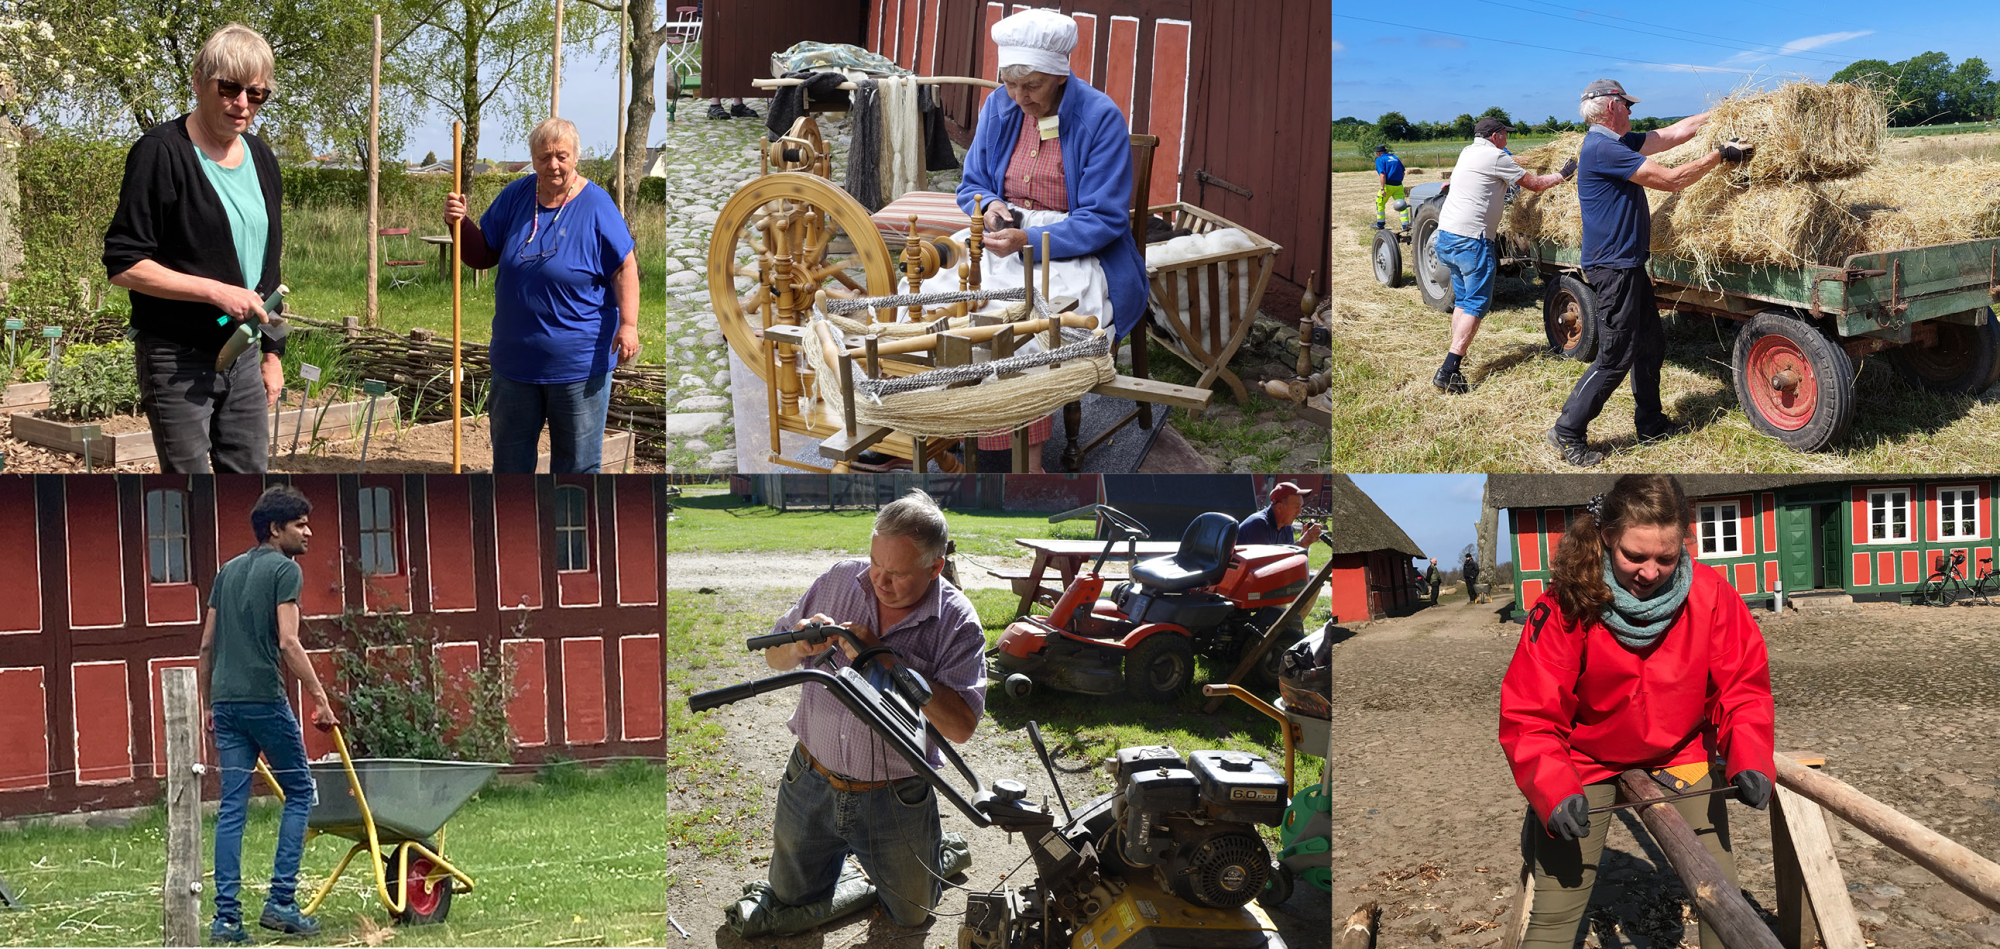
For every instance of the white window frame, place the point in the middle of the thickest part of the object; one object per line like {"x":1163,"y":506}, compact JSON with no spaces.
{"x":1888,"y":522}
{"x":167,"y":538}
{"x":375,"y":532}
{"x":1969,"y":509}
{"x":564,"y":531}
{"x":1702,"y":529}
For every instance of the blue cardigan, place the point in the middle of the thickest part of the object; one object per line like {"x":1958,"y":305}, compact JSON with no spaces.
{"x":1097,"y":172}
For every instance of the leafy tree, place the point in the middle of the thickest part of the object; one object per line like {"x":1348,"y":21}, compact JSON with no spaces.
{"x":430,"y":158}
{"x":1393,"y":127}
{"x":1461,"y":127}
{"x":1926,"y":90}
{"x":1496,"y":113}
{"x":479,"y":56}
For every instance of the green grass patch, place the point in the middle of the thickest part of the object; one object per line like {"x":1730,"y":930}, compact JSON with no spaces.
{"x":712,"y":805}
{"x":555,"y":860}
{"x":1434,"y":157}
{"x":709,"y":519}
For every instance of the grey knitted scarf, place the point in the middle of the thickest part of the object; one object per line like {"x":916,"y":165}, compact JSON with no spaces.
{"x":1639,"y":623}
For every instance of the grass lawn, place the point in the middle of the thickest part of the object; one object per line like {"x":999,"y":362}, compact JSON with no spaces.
{"x":1433,"y":157}
{"x":556,"y":861}
{"x":709,"y":519}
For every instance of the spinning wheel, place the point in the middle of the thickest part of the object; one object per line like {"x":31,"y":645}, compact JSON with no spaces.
{"x":802,"y":149}
{"x":782,"y":238}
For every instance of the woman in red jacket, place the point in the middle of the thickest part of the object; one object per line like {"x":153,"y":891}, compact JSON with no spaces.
{"x":1637,"y":657}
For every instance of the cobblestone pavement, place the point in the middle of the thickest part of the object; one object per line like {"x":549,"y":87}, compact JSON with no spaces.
{"x":1903,"y":702}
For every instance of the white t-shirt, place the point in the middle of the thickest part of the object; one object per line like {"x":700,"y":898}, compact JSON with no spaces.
{"x":1479,"y":185}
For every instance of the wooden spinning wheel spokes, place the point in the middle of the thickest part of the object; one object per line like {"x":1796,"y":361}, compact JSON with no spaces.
{"x":801,"y":223}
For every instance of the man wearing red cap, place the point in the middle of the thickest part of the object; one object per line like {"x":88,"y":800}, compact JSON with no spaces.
{"x":1273,"y":523}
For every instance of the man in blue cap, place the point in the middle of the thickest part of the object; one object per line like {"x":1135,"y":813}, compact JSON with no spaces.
{"x":1613,"y":174}
{"x":1389,"y":172}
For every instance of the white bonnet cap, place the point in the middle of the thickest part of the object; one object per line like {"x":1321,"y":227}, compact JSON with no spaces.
{"x":1039,"y":39}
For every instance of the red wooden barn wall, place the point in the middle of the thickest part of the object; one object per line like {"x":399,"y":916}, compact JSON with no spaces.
{"x":85,"y":636}
{"x":1240,"y":90}
{"x":739,"y":36}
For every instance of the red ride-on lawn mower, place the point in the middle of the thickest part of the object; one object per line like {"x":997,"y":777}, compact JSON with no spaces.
{"x":1212,"y":598}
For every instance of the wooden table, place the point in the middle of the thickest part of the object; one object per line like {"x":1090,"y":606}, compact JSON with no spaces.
{"x":443,"y":242}
{"x":1069,"y":557}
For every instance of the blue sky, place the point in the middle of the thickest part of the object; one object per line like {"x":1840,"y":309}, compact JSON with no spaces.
{"x":1533,"y":57}
{"x":1439,"y":512}
{"x":589,"y":98}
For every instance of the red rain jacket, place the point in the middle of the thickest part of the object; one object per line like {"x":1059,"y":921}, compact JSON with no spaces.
{"x":1577,"y":707}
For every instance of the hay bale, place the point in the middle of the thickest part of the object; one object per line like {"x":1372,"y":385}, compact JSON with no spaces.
{"x":1919,"y":203}
{"x":1717,"y":222}
{"x":1551,"y":215}
{"x":1803,"y":131}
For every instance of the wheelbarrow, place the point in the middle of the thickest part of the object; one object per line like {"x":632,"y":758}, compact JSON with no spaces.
{"x":395,"y":810}
{"x":1307,"y":831}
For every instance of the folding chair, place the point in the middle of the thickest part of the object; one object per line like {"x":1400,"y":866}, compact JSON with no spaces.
{"x":404,"y":271}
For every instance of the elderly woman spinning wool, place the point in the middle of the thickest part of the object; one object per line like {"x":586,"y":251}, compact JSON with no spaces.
{"x":1052,"y":157}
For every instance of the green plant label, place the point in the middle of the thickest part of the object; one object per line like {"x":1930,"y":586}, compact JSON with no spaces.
{"x":374,"y":387}
{"x":309,"y":372}
{"x":88,"y":432}
{"x":51,"y":332}
{"x":13,"y":325}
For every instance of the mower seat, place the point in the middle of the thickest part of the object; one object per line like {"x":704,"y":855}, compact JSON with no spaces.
{"x":1203,"y":556}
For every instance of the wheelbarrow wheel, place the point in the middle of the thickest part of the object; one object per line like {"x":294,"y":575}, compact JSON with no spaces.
{"x":1277,"y":887}
{"x":429,"y":900}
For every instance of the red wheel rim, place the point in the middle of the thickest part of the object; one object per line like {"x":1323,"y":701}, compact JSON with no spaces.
{"x":1773,"y":360}
{"x":425,"y":895}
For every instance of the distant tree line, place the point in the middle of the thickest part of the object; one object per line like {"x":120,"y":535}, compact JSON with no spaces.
{"x":1922,"y":90}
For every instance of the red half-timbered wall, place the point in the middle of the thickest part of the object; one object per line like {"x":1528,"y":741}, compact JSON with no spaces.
{"x":93,"y":611}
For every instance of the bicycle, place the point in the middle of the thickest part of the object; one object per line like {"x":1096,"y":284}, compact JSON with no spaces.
{"x":1947,"y":584}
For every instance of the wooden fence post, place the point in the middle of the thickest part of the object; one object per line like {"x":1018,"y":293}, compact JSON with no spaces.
{"x":1966,"y":871}
{"x":181,"y":892}
{"x":1812,"y":892}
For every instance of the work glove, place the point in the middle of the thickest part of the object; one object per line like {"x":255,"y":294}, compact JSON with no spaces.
{"x":1571,"y":820}
{"x":1569,"y":169}
{"x":1736,"y":151}
{"x":1752,"y":788}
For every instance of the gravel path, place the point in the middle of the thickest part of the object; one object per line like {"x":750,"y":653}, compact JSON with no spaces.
{"x":1902,"y":701}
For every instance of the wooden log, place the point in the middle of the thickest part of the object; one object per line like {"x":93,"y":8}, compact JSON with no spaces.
{"x":180,"y":893}
{"x":1968,"y":872}
{"x":1359,"y":932}
{"x":1812,"y":893}
{"x":1717,"y":901}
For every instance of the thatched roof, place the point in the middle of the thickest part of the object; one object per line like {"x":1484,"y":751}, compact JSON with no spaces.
{"x":1544,"y":490}
{"x":1357,"y":525}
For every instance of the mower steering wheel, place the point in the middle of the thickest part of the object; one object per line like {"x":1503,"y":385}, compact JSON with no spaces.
{"x":1124,"y":520}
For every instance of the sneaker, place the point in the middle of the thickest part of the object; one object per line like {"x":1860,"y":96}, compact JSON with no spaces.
{"x":1578,"y":453}
{"x":742,"y":111}
{"x":1451,"y":383}
{"x":286,"y":919}
{"x":1673,"y":430}
{"x":717,"y":111}
{"x":227,"y":932}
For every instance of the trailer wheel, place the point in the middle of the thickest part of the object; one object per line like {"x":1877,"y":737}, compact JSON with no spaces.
{"x":1387,"y":255}
{"x":1160,"y":667}
{"x":1965,"y":360}
{"x":1433,"y":278}
{"x":428,"y":901}
{"x":1569,"y":317}
{"x":1794,"y":383}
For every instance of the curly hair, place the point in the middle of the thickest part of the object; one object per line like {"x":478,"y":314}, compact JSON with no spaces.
{"x":279,"y":505}
{"x":1577,"y":574}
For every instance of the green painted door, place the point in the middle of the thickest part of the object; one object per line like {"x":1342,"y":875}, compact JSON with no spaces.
{"x":1795,"y":547}
{"x":1833,"y":553}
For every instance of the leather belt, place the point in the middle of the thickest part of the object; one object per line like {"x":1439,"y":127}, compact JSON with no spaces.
{"x":840,"y":781}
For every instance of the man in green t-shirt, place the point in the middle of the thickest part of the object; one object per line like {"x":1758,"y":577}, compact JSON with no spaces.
{"x":249,"y":641}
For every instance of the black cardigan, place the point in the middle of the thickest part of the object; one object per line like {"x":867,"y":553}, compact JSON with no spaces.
{"x":168,"y":213}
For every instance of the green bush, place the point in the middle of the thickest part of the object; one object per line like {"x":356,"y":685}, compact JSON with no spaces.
{"x":94,"y":381}
{"x":652,"y":191}
{"x":69,"y":189}
{"x":393,"y":685}
{"x":30,"y":365}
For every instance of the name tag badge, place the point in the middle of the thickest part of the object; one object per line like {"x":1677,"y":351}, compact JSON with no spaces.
{"x":1047,"y":127}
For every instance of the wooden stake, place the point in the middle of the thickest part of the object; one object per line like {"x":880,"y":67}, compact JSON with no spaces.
{"x":555,"y":67}
{"x":457,"y":328}
{"x":624,"y":17}
{"x":180,"y":893}
{"x":374,"y":314}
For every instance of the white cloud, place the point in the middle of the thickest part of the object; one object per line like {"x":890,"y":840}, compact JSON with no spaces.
{"x":1339,"y":47}
{"x":1800,"y":45}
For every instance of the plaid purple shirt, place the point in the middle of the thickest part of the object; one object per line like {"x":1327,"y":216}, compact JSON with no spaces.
{"x":941,"y":640}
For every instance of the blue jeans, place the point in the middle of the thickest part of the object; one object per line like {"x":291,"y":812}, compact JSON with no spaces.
{"x":242,"y":730}
{"x":1472,"y":270}
{"x":574,"y":412}
{"x":892,"y":830}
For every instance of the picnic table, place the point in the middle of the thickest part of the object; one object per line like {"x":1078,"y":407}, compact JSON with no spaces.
{"x":443,"y":243}
{"x":1068,"y":557}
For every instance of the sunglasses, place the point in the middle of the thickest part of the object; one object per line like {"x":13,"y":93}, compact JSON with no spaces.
{"x":230,"y":89}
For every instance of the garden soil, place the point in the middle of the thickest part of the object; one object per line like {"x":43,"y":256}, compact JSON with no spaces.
{"x":1902,"y":701}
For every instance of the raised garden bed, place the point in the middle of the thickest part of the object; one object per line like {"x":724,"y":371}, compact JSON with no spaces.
{"x":426,"y":448}
{"x":127,"y":439}
{"x":24,"y":397}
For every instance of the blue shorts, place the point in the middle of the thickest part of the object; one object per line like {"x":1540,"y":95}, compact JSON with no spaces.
{"x":1472,"y":269}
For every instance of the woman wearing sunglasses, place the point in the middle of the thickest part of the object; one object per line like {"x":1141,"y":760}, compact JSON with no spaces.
{"x":196,"y":237}
{"x":565,"y":301}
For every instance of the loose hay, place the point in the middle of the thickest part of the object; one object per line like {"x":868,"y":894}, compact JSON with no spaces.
{"x":1917,"y":204}
{"x":1551,"y":215}
{"x":1803,"y":131}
